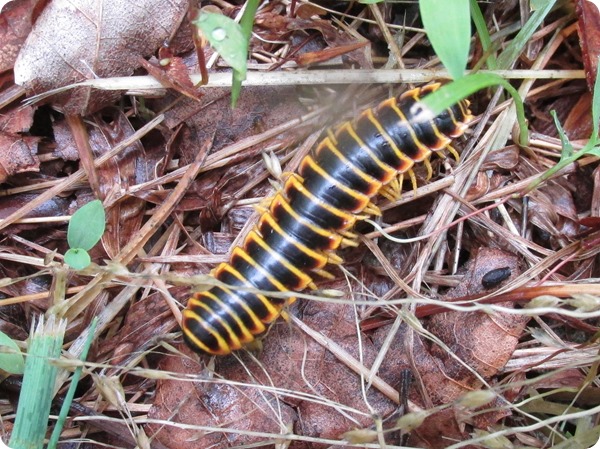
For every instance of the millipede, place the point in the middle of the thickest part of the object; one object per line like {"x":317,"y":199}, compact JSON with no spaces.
{"x":313,"y":214}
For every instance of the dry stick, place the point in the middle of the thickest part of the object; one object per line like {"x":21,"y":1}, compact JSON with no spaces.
{"x":37,"y":296}
{"x":79,"y":174}
{"x":86,"y":154}
{"x":392,"y":44}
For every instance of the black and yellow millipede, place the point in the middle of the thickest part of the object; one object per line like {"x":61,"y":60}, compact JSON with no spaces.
{"x":313,"y":215}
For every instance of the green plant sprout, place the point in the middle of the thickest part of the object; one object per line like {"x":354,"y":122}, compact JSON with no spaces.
{"x":568,"y":154}
{"x":85,"y":230}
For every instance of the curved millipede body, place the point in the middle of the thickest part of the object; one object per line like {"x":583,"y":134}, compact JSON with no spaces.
{"x":313,"y":215}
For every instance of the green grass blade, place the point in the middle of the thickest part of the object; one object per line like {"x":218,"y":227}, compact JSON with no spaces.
{"x":595,"y":111}
{"x":514,"y":49}
{"x":448,"y":28}
{"x":64,"y":411}
{"x":568,"y":156}
{"x":483,"y":33}
{"x":37,"y":390}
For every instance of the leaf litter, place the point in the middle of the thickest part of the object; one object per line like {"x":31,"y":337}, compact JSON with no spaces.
{"x":404,"y":333}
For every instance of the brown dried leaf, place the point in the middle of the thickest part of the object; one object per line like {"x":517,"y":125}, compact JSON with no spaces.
{"x":82,"y":39}
{"x":257,"y":107}
{"x":578,"y":124}
{"x":17,"y":119}
{"x":334,"y":39}
{"x":315,"y":57}
{"x":483,"y":342}
{"x":505,"y":158}
{"x":588,"y":17}
{"x":18,"y":155}
{"x":311,"y":368}
{"x":173,"y":74}
{"x":65,"y":148}
{"x":551,"y":207}
{"x":216,"y":405}
{"x":130,"y":167}
{"x":55,"y":207}
{"x":15,"y":24}
{"x":437,"y":430}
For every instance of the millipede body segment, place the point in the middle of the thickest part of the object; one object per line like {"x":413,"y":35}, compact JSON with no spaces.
{"x":313,"y":215}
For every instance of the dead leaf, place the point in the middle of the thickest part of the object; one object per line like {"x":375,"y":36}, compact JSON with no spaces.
{"x":172,"y":73}
{"x":130,"y":167}
{"x":578,"y":124}
{"x":82,"y":39}
{"x":17,"y":119}
{"x":482,"y":342}
{"x":16,"y":19}
{"x":18,"y":155}
{"x":551,"y":207}
{"x":238,"y":407}
{"x":588,"y":18}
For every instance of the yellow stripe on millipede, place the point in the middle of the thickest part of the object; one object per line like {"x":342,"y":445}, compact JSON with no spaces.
{"x":363,"y":199}
{"x":246,"y":336}
{"x":424,"y":150}
{"x":319,"y":257}
{"x":235,"y":341}
{"x":334,"y":238}
{"x":303,"y":279}
{"x":348,"y":218}
{"x":390,"y":172}
{"x":190,"y":315}
{"x":399,"y":154}
{"x":272,"y":309}
{"x":374,"y":182}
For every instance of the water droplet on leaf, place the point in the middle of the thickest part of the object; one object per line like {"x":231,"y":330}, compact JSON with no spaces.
{"x":219,"y":34}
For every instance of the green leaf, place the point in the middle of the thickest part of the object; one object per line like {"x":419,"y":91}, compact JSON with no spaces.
{"x":77,"y":258}
{"x":86,"y":226}
{"x":226,"y":38}
{"x":448,"y":27}
{"x":11,"y":359}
